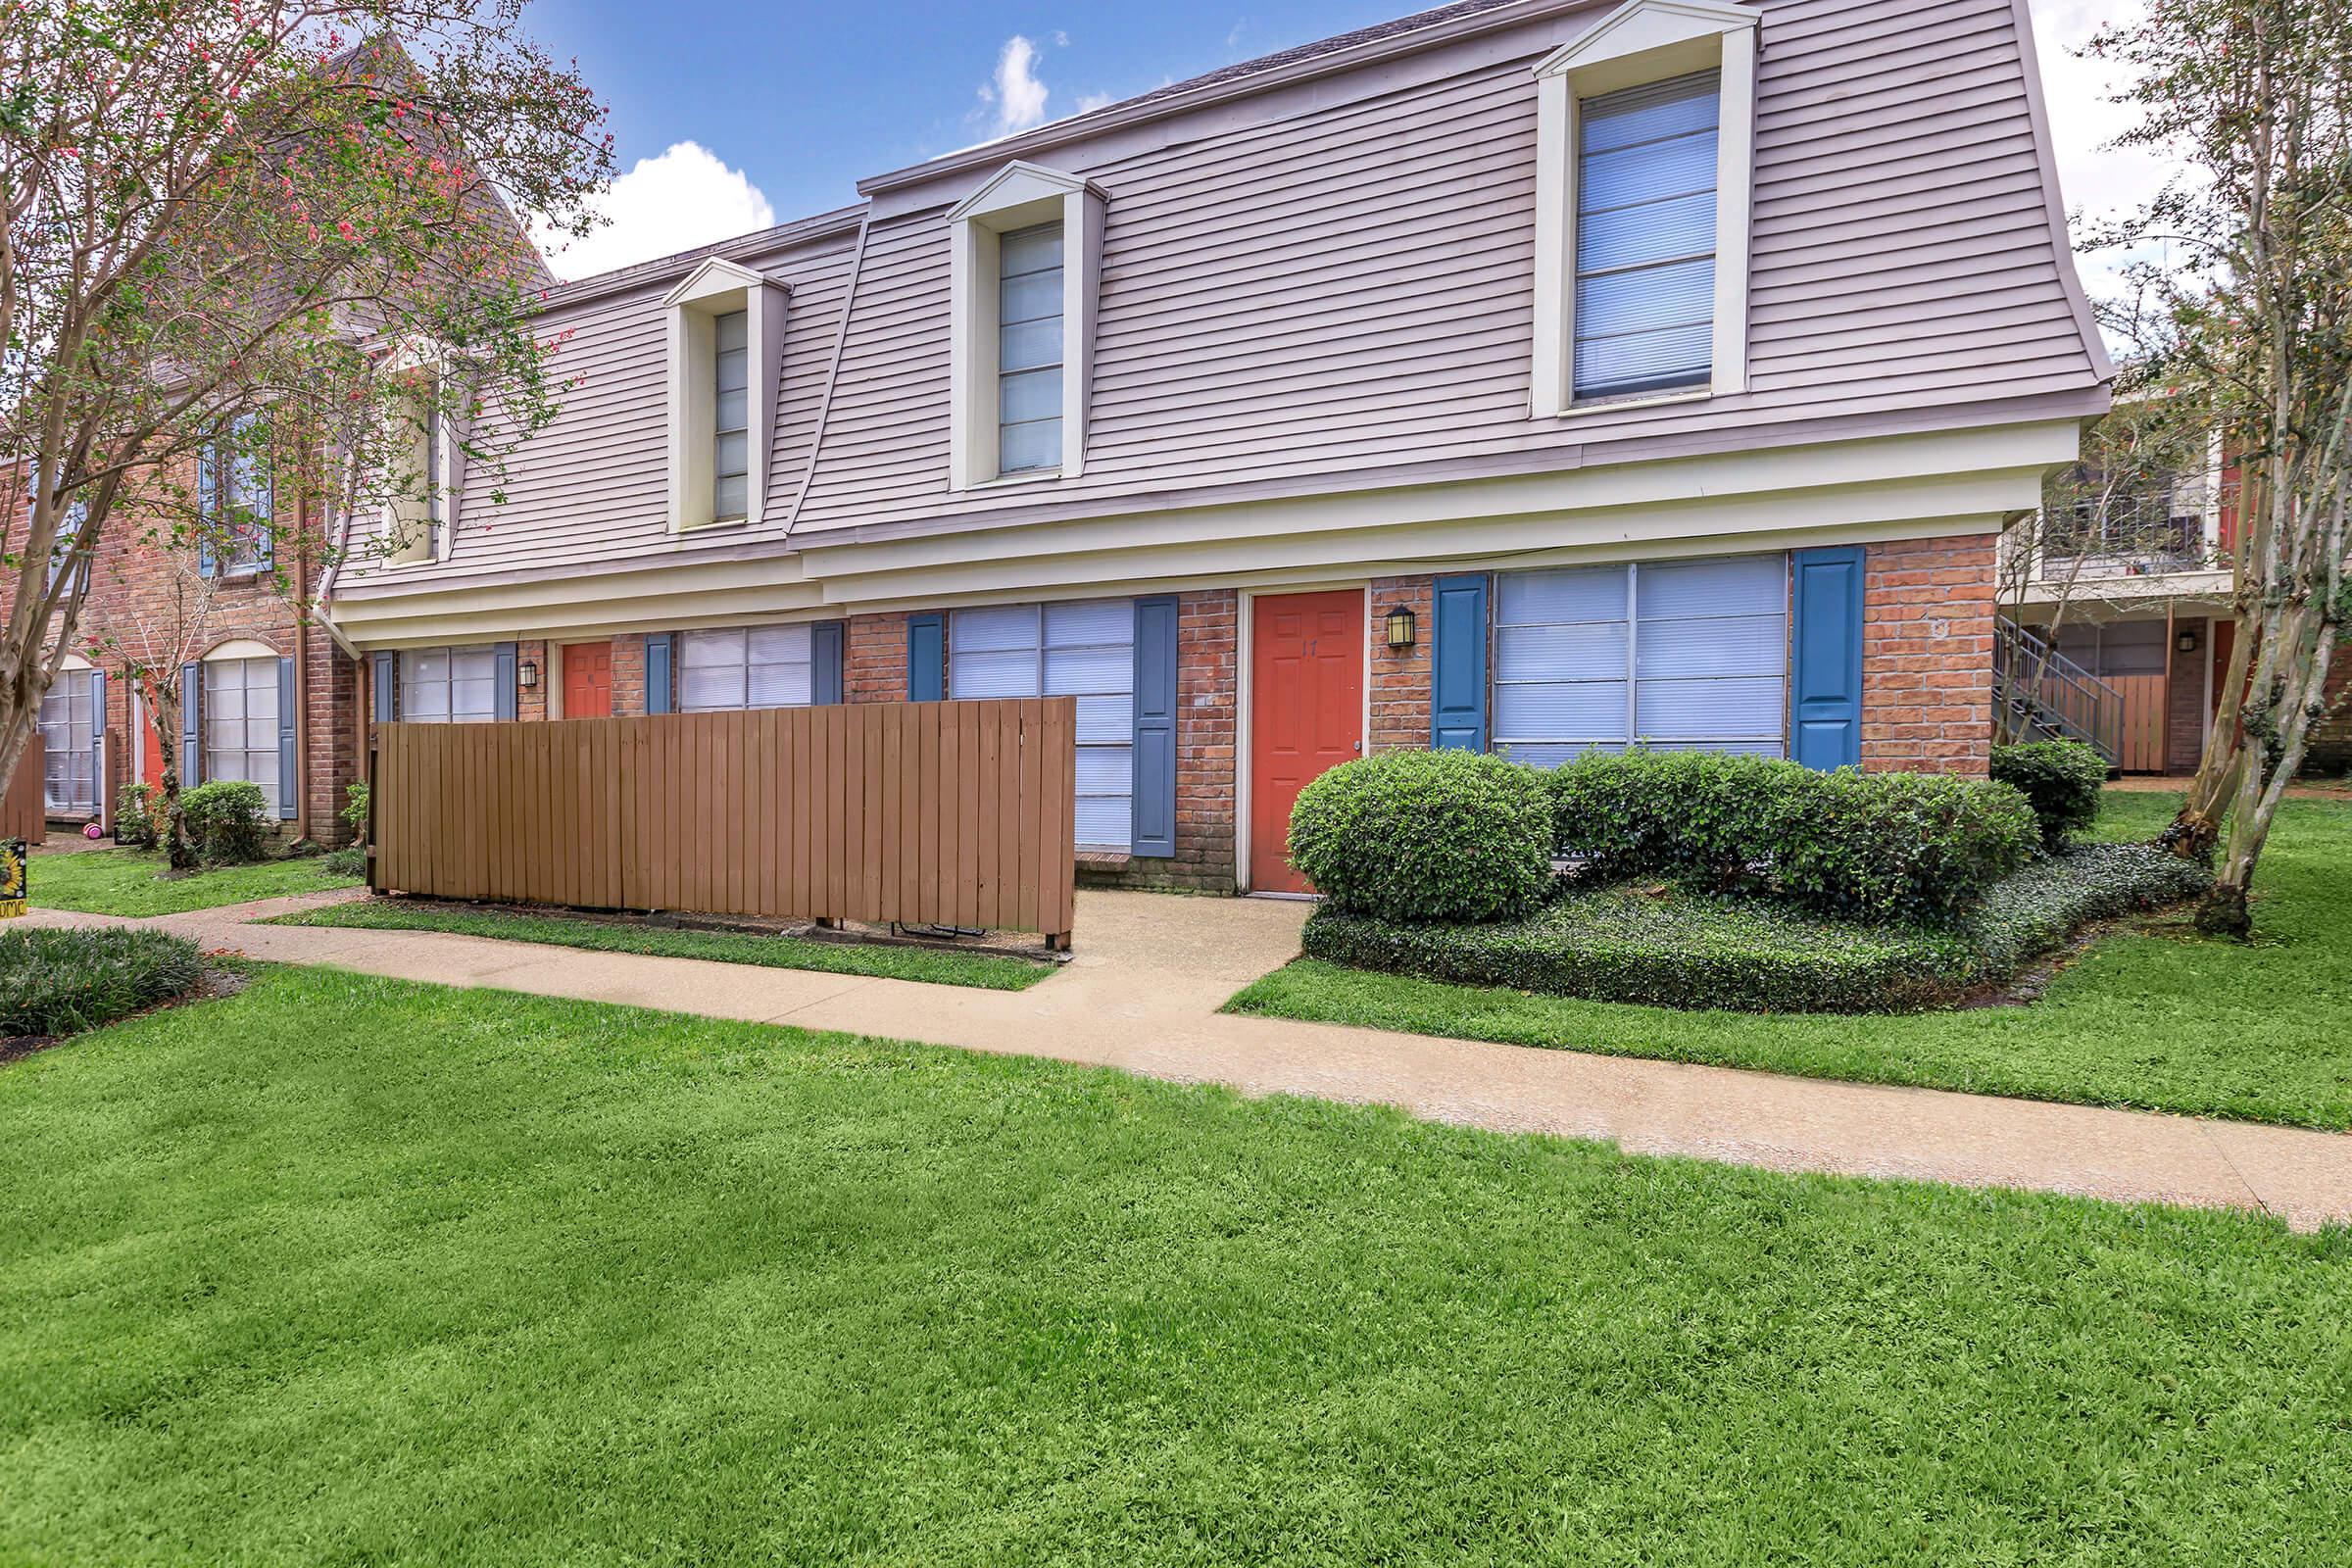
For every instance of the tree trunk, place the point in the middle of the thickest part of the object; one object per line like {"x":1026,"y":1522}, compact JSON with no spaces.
{"x":163,"y":714}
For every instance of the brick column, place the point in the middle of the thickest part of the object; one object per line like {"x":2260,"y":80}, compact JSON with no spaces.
{"x":2184,"y":698}
{"x":628,"y":675}
{"x":1208,"y":690}
{"x":1400,"y":679}
{"x":1927,"y":655}
{"x":874,"y":658}
{"x":530,"y":701}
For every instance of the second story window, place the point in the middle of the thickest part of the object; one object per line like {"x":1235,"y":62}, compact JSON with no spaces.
{"x":1646,"y":239}
{"x":731,"y":459}
{"x":234,"y":500}
{"x":1029,"y":350}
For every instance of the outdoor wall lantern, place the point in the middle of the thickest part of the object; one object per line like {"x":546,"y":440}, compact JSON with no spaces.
{"x":527,"y":675}
{"x":1400,"y":628}
{"x":2186,"y":642}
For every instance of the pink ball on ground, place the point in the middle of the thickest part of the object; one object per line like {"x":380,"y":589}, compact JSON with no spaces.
{"x":92,"y":830}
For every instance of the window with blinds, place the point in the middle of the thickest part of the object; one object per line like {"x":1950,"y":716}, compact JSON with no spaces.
{"x":1646,"y":237}
{"x":1678,"y":656}
{"x":240,"y":723}
{"x":68,"y":720}
{"x":1084,"y":649}
{"x":731,"y":458}
{"x":746,"y":666}
{"x":449,"y":685}
{"x":1029,"y":350}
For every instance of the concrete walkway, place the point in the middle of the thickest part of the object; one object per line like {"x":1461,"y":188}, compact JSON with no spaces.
{"x":1152,"y":970}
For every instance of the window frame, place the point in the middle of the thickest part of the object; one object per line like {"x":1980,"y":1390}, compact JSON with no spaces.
{"x":73,"y":686}
{"x":418,"y":530}
{"x":216,"y":663}
{"x":1043,"y":648}
{"x":405,"y":709}
{"x":250,"y":550}
{"x":682,"y":640}
{"x":1018,"y":197}
{"x":1640,"y":43}
{"x":716,"y":288}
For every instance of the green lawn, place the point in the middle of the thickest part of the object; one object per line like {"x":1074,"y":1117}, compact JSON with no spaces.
{"x":991,"y":973}
{"x":2261,"y":1031}
{"x":130,"y":882}
{"x":345,"y":1270}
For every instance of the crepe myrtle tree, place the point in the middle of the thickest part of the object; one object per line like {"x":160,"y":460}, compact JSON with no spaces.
{"x":230,"y":227}
{"x":2253,"y":99}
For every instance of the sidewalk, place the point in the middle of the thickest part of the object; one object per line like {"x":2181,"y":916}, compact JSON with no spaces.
{"x":1152,"y":970}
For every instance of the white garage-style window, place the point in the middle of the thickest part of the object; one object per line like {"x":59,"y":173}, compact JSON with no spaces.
{"x":1645,"y":149}
{"x":1084,"y":649}
{"x":240,"y":722}
{"x":1678,"y":656}
{"x":449,"y":685}
{"x":746,"y":666}
{"x":1026,"y":261}
{"x":70,"y":718}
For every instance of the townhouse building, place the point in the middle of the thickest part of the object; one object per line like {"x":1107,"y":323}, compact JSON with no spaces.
{"x":1523,"y":374}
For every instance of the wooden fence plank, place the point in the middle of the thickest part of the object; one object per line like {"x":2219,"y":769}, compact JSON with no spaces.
{"x":927,"y":814}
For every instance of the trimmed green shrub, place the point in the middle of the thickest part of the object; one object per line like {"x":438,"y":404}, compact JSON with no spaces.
{"x":356,"y":800}
{"x":1676,"y":949}
{"x":227,"y":820}
{"x":1867,"y":846}
{"x":1426,"y":836}
{"x":2060,"y":780}
{"x":135,"y":824}
{"x":351,"y":861}
{"x":60,"y":980}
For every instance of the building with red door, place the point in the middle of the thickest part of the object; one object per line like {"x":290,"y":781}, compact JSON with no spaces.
{"x":1532,"y":376}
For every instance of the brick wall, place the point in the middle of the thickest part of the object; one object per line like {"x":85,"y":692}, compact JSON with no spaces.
{"x":874,"y":658}
{"x":628,"y":675}
{"x":1400,"y":679}
{"x":1927,"y":655}
{"x":2184,"y":699}
{"x":2330,"y":749}
{"x":531,"y":701}
{"x":1207,"y":644}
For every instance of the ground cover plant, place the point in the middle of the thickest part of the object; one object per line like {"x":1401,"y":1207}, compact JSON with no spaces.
{"x":414,"y":1274}
{"x":130,"y":882}
{"x":60,"y":982}
{"x":2155,"y":1018}
{"x":989,"y":971}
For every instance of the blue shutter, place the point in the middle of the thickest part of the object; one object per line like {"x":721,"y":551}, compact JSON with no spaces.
{"x":191,"y":744}
{"x":387,"y":687}
{"x":1154,"y":727}
{"x":98,"y":743}
{"x":1457,"y":696}
{"x":208,"y":499}
{"x":926,"y":659}
{"x":502,"y":695}
{"x":287,"y":784}
{"x":656,"y":674}
{"x":1826,"y":684}
{"x":825,"y":640}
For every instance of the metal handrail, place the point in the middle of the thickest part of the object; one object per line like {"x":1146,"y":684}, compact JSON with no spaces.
{"x":2054,"y":694}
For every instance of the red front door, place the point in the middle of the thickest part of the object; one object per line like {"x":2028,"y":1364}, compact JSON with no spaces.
{"x":150,"y":750}
{"x":1306,"y":715}
{"x":588,"y":680}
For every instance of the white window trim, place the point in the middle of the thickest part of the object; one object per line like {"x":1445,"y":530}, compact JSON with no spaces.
{"x":720,"y":287}
{"x":1643,"y":41}
{"x":1018,"y":196}
{"x":418,"y":357}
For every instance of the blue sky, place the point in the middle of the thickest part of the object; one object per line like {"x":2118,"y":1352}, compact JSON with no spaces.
{"x":729,"y":117}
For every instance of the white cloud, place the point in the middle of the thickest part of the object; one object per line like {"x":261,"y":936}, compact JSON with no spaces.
{"x":1093,"y":101}
{"x":1015,"y":95}
{"x":684,"y":198}
{"x":2099,"y":181}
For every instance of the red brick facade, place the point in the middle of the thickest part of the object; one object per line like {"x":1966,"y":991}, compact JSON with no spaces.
{"x":2184,"y":697}
{"x":874,"y":660}
{"x":1927,"y":655}
{"x":1400,"y":678}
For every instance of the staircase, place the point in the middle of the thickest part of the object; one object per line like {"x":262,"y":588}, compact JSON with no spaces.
{"x":2043,"y":695}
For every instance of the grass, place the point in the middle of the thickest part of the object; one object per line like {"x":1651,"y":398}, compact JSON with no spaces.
{"x":341,"y":1269}
{"x":984,"y":970}
{"x":2261,"y":1031}
{"x":130,"y":882}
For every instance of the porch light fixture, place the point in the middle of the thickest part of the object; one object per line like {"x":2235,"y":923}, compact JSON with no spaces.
{"x":1400,"y":628}
{"x":2186,"y":642}
{"x":527,"y":675}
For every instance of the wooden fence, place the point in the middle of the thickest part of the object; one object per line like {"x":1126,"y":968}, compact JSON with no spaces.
{"x":24,"y":813}
{"x":924,"y":813}
{"x":2140,"y":734}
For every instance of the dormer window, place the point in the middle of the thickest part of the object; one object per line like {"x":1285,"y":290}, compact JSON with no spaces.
{"x":1026,"y":259}
{"x":726,"y":353}
{"x":418,"y":506}
{"x":235,"y":495}
{"x":1645,"y":132}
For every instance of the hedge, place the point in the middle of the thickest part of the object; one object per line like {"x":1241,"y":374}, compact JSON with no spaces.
{"x":1413,"y":835}
{"x":227,"y":820}
{"x":60,"y":980}
{"x":1867,"y":846}
{"x":2060,"y":780}
{"x":1670,"y":948}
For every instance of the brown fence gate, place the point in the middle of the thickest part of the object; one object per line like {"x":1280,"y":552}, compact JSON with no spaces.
{"x":924,"y":813}
{"x":24,"y":813}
